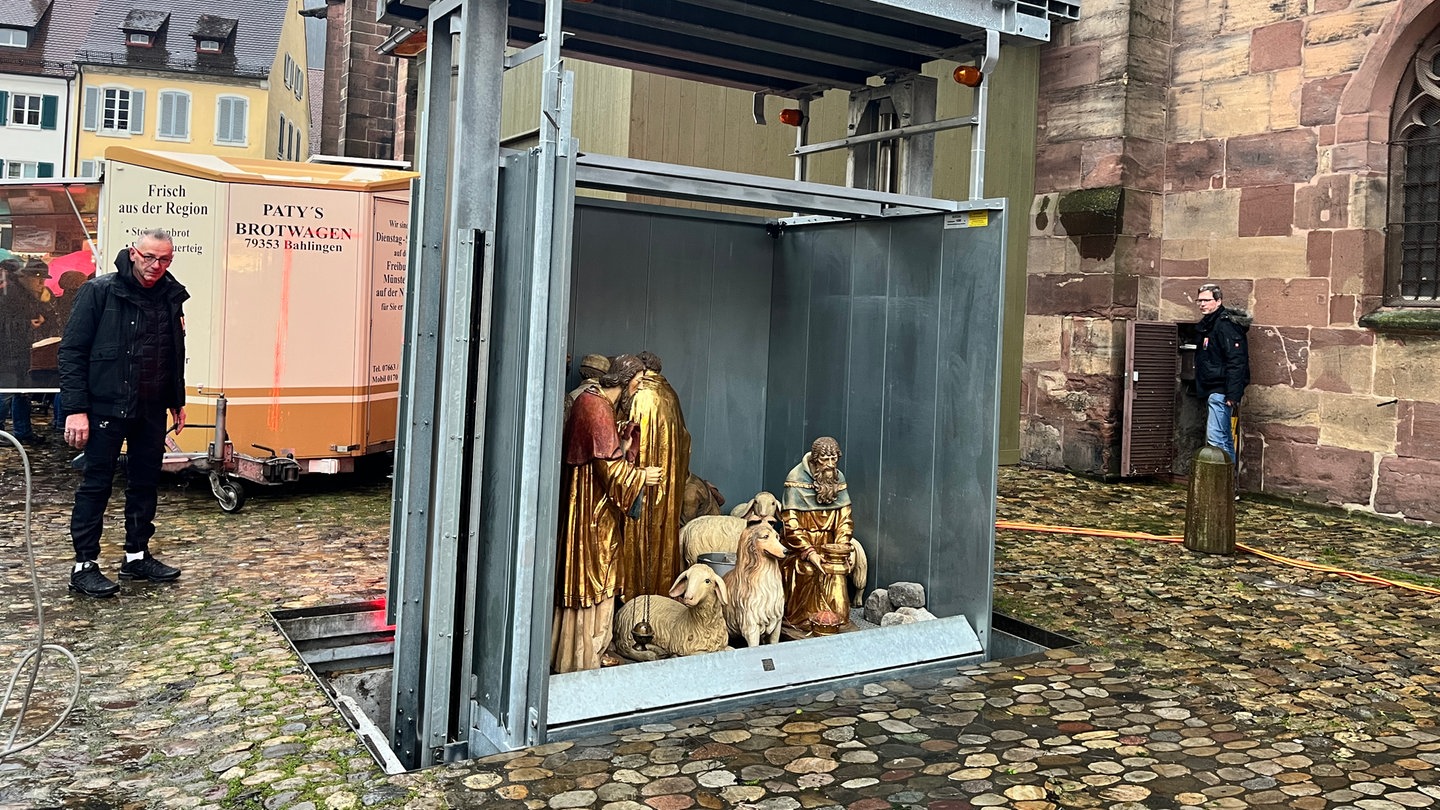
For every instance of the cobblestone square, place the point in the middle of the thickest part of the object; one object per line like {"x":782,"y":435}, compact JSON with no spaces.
{"x":1218,"y":682}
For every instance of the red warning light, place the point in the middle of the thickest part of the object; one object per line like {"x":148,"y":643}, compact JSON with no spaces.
{"x":792,"y":117}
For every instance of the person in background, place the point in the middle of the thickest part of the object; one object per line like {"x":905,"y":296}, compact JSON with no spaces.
{"x":70,"y":282}
{"x":1222,"y":365}
{"x":18,"y":321}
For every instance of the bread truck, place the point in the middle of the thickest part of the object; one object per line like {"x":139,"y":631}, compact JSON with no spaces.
{"x":294,"y":326}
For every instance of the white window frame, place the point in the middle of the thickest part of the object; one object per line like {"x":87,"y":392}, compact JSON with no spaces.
{"x":16,"y":110}
{"x":22,"y":169}
{"x":14,"y":37}
{"x":209,"y":46}
{"x":140,"y":39}
{"x":90,"y":168}
{"x":113,"y":124}
{"x":160,"y":134}
{"x":244,"y":107}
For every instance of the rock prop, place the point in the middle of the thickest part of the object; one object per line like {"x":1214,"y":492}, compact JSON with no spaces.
{"x":901,"y":603}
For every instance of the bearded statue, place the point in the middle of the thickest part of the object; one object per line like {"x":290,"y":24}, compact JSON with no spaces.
{"x":819,"y":533}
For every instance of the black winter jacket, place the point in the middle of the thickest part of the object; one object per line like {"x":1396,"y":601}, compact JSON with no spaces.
{"x":100,"y":358}
{"x":1222,"y":359}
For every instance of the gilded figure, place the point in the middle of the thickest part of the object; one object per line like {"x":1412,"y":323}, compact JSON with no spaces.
{"x":651,"y":551}
{"x":598,"y":485}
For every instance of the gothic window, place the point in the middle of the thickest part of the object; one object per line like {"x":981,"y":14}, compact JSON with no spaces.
{"x":1412,"y":242}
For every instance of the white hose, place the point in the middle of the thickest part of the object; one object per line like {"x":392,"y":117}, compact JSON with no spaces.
{"x":37,"y":651}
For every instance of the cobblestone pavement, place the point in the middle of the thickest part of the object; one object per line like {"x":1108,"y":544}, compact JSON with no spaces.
{"x":1220,"y":682}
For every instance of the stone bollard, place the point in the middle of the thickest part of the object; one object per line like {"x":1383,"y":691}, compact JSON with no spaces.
{"x":1210,"y":512}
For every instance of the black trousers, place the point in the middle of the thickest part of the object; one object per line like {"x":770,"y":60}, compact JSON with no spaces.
{"x":144,"y":437}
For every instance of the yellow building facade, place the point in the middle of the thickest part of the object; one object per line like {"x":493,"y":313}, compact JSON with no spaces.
{"x":189,"y":81}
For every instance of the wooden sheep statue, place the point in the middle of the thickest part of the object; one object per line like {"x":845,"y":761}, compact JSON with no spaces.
{"x":691,"y":620}
{"x":720,"y":534}
{"x":756,"y":586}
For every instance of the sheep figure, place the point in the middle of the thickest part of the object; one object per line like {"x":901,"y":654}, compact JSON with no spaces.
{"x":712,"y":534}
{"x":691,"y":620}
{"x":769,"y":505}
{"x":755,"y":584}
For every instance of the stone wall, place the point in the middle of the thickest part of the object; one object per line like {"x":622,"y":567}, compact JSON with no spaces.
{"x":1243,"y":143}
{"x":358,"y":114}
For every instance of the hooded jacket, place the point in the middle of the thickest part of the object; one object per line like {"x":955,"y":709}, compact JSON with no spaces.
{"x":1222,"y":360}
{"x":101,"y":356}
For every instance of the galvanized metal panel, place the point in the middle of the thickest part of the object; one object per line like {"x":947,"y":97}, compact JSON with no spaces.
{"x":967,"y":417}
{"x":727,"y":442}
{"x":696,"y":682}
{"x":920,"y":372}
{"x":828,"y":337}
{"x":494,"y":648}
{"x":680,"y":267}
{"x":908,"y":441}
{"x":694,"y":290}
{"x":414,"y":447}
{"x":778,"y":47}
{"x":865,"y":367}
{"x":788,"y":361}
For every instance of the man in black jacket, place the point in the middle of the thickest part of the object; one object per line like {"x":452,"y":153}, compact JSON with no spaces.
{"x":122,"y":366}
{"x":1222,"y":365}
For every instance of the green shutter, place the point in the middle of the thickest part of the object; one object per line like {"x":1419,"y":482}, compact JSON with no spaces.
{"x":49,"y":111}
{"x":4,"y":108}
{"x":45,"y":170}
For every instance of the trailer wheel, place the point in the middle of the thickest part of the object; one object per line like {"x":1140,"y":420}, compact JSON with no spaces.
{"x":231,"y":495}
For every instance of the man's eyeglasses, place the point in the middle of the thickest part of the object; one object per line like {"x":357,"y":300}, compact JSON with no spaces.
{"x":150,"y":258}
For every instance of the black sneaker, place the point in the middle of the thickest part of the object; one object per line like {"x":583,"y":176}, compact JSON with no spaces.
{"x":90,"y":582}
{"x":148,"y":568}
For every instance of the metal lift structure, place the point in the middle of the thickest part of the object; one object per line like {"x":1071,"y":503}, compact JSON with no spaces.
{"x":490,"y":320}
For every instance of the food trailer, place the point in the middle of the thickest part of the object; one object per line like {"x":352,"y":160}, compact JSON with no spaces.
{"x":296,"y":273}
{"x":295,"y":323}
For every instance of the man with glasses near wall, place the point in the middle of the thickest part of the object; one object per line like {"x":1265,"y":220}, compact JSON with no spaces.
{"x":1222,"y":365}
{"x":122,"y":367}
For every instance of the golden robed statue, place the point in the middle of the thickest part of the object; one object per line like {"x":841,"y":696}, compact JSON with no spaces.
{"x":651,"y":549}
{"x":597,"y":485}
{"x":815,"y":512}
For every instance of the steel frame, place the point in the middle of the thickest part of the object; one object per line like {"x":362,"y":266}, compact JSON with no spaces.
{"x":436,"y":548}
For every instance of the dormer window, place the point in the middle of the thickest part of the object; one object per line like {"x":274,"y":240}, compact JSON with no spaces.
{"x":143,"y":28}
{"x":14,"y":38}
{"x":214,"y":34}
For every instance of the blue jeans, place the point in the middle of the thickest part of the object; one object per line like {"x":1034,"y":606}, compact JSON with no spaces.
{"x":17,"y":406}
{"x":1217,"y":425}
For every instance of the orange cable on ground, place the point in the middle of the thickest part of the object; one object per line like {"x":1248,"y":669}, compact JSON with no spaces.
{"x":1369,"y":579}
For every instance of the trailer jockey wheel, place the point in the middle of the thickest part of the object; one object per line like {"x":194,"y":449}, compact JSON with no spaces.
{"x":230,"y":493}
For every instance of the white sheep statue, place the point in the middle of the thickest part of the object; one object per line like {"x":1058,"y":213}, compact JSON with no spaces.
{"x":690,"y":621}
{"x":755,"y":584}
{"x":769,"y":505}
{"x":720,"y":534}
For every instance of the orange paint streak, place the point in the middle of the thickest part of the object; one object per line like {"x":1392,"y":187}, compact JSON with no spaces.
{"x":282,"y":326}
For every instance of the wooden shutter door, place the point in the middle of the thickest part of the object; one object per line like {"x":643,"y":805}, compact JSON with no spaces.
{"x":1147,"y":439}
